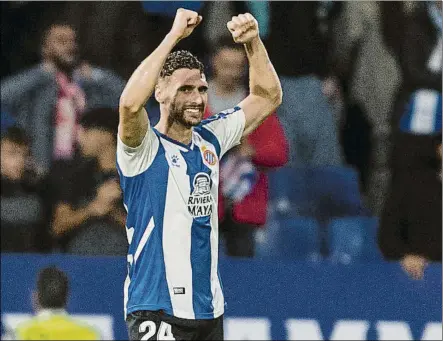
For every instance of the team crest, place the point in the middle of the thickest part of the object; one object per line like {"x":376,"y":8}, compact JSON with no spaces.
{"x":209,"y":156}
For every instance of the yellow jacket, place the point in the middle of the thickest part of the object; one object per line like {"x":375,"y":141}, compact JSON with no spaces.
{"x":55,"y":324}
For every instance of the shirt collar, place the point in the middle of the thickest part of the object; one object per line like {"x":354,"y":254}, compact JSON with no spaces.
{"x":46,"y":313}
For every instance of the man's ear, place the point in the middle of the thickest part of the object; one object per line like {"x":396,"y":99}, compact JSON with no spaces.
{"x":158,"y":94}
{"x":160,"y":90}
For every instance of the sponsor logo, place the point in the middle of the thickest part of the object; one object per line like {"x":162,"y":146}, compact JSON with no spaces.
{"x":200,"y":202}
{"x":174,"y":161}
{"x":179,"y":291}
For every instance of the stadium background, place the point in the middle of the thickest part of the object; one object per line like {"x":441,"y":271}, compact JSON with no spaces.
{"x":317,"y":272}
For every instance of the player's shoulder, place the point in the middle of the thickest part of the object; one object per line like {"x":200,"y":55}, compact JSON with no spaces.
{"x":25,"y":325}
{"x":220,"y":116}
{"x":81,"y":329}
{"x":27,"y":328}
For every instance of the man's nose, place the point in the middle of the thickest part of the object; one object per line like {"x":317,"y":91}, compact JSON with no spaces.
{"x":197,"y":97}
{"x":71,"y":45}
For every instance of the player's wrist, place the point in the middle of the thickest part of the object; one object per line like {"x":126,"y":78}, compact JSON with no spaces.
{"x":255,"y":41}
{"x":172,"y":38}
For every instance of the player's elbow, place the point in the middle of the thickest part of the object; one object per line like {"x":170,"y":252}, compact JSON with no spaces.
{"x":129,"y":110}
{"x":129,"y":106}
{"x":274,"y":96}
{"x":277,"y":95}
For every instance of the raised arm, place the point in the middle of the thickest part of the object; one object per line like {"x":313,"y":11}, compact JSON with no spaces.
{"x":134,"y":120}
{"x":265,"y":93}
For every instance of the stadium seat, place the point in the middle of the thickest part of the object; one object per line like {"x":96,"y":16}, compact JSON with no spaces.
{"x":296,"y":238}
{"x":288,"y":192}
{"x":321,"y":192}
{"x":353,"y":239}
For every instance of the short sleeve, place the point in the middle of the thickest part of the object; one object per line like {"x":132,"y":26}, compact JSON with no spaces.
{"x":227,"y":127}
{"x":133,"y":161}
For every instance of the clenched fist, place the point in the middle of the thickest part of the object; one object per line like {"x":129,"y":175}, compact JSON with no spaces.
{"x":184,"y":23}
{"x":243,"y":28}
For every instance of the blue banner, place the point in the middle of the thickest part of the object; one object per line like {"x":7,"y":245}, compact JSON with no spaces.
{"x":266,"y":300}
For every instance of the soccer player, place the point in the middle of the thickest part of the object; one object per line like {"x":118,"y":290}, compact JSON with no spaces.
{"x":169,"y":176}
{"x":52,"y":321}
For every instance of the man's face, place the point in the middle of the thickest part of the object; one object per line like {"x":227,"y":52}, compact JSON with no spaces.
{"x":60,"y":46}
{"x":229,"y":66}
{"x":185,"y":93}
{"x":93,"y":141}
{"x":13,"y":158}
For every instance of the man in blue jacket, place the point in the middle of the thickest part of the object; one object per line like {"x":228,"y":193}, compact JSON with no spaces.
{"x":48,"y":99}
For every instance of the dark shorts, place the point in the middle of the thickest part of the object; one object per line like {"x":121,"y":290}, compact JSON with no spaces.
{"x":156,"y":325}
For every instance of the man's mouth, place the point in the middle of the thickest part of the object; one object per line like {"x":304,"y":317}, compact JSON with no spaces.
{"x":193,"y":111}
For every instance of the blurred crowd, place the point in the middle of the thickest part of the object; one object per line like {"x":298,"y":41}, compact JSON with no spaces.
{"x":362,"y":88}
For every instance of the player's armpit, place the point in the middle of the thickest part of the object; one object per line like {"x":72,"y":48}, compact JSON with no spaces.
{"x":257,"y":109}
{"x":133,"y":126}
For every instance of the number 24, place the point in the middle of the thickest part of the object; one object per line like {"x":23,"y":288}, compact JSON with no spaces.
{"x":164,"y":331}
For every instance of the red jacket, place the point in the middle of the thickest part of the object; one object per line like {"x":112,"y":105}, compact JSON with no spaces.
{"x":271,"y":151}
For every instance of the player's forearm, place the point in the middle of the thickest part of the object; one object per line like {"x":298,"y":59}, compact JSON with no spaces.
{"x":142,"y":83}
{"x":263,"y":79}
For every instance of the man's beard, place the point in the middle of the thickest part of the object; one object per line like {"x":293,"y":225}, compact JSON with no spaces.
{"x":177,"y":115}
{"x":65,"y":66}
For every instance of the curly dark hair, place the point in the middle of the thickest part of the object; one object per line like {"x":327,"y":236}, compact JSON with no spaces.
{"x":180,"y":60}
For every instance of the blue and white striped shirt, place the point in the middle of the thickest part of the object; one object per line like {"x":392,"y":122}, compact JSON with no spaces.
{"x":170,"y":191}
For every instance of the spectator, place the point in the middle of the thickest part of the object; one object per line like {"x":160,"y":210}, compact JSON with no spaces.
{"x":49,"y":98}
{"x":52,"y":322}
{"x":89,"y":217}
{"x":420,"y":59}
{"x":418,"y":110}
{"x":298,"y":45}
{"x":411,"y":224}
{"x":23,"y":211}
{"x":215,"y":16}
{"x":229,"y":70}
{"x":364,"y":39}
{"x":244,"y":184}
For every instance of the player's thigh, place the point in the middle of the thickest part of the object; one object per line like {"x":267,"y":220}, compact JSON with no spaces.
{"x":147,"y":325}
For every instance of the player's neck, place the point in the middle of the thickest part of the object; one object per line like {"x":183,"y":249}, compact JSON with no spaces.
{"x":174,"y":131}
